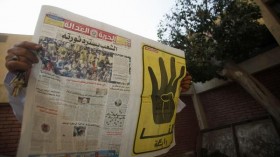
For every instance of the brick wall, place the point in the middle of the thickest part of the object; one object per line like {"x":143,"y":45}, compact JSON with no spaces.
{"x":9,"y":131}
{"x":231,"y":103}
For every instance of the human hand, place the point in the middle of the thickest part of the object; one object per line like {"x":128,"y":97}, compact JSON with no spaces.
{"x":186,"y":83}
{"x":163,"y":97}
{"x":21,"y":57}
{"x":19,"y":60}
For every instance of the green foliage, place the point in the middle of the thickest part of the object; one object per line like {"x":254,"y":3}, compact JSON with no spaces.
{"x":212,"y":32}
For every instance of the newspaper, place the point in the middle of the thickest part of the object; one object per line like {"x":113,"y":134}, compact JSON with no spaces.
{"x":99,"y":91}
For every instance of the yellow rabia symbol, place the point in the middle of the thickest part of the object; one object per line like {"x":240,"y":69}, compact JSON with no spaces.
{"x":161,"y":81}
{"x":163,"y":96}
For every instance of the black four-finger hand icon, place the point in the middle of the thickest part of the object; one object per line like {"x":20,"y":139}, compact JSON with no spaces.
{"x":163,"y":96}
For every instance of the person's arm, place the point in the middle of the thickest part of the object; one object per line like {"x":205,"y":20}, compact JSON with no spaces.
{"x":185,"y":85}
{"x":19,"y":59}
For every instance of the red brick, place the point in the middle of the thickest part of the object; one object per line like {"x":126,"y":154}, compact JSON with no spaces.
{"x":17,"y":129}
{"x":12,"y":126}
{"x":3,"y":138}
{"x":12,"y":118}
{"x":2,"y":131}
{"x":12,"y":143}
{"x":13,"y":133}
{"x":13,"y":137}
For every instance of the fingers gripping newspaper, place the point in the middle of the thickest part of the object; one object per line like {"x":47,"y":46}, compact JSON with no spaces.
{"x":99,"y":91}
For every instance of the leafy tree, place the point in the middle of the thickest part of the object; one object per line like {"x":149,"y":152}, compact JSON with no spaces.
{"x":216,"y":34}
{"x":212,"y":32}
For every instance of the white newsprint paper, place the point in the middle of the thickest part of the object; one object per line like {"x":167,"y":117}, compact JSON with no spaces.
{"x":99,"y":91}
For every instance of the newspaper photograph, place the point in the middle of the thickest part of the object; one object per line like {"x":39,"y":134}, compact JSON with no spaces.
{"x":99,"y":91}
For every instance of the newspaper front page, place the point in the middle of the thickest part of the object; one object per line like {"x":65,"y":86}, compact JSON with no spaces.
{"x":99,"y":91}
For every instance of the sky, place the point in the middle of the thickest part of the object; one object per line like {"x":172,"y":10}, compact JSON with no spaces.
{"x":140,"y":17}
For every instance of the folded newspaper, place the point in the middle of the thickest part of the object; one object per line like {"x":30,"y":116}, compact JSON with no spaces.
{"x":99,"y":91}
